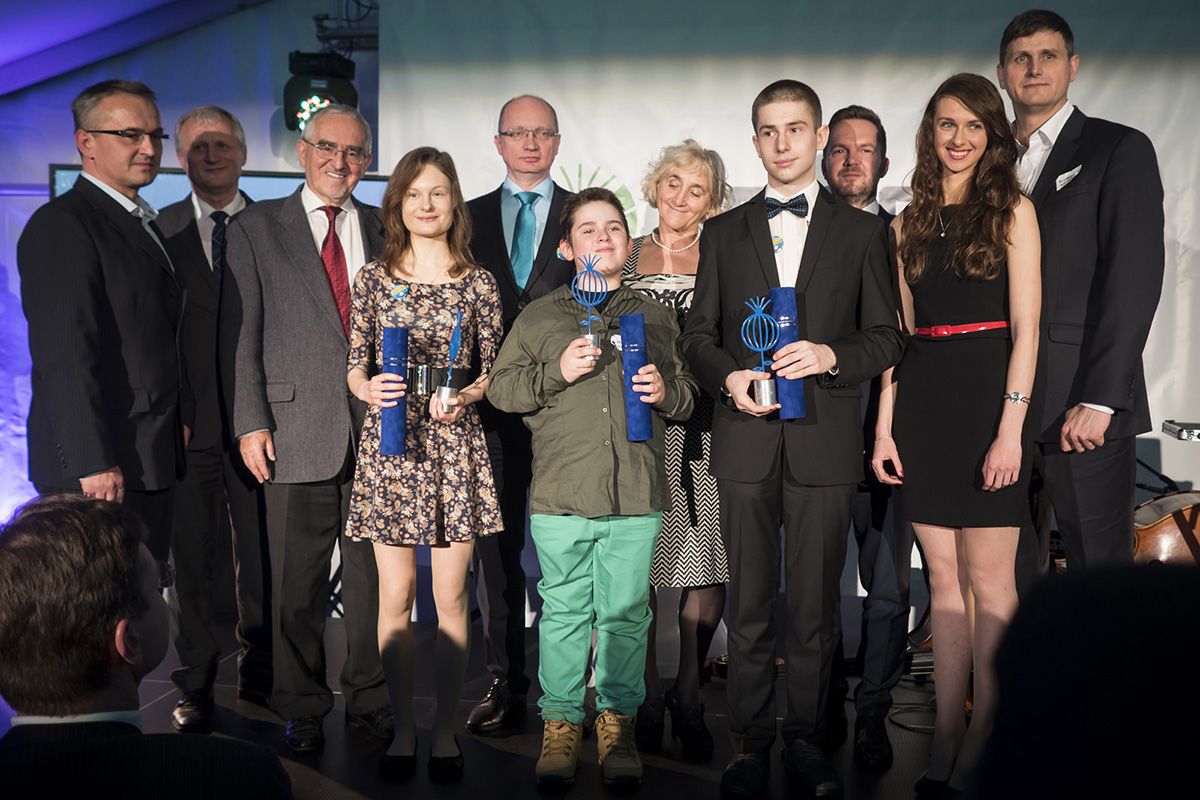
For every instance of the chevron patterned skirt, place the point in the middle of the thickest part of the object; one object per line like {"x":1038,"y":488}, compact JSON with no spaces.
{"x":690,"y":551}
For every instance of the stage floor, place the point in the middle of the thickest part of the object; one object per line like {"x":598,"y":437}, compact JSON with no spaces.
{"x":502,"y":766}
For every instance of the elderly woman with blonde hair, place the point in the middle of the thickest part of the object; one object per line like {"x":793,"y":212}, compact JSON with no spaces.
{"x":687,"y":186}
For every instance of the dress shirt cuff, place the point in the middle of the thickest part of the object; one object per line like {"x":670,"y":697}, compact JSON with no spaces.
{"x":250,"y":433}
{"x":1098,"y":407}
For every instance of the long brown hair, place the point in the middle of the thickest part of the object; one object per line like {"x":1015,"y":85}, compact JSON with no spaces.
{"x":398,"y":239}
{"x":979,"y":238}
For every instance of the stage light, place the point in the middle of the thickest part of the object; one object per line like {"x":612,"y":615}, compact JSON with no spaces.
{"x":318,"y":80}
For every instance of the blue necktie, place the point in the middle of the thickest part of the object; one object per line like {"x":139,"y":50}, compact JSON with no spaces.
{"x":798,"y":205}
{"x":522,"y":241}
{"x":220,"y":219}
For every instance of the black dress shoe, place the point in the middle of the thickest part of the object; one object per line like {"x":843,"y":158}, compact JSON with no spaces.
{"x":446,"y":769}
{"x":379,"y":723}
{"x":304,"y":734}
{"x":193,"y":712}
{"x":746,"y":775}
{"x":872,"y":748}
{"x":648,"y":729}
{"x":929,"y":789}
{"x":499,"y":708}
{"x":807,"y":764}
{"x":687,"y":725}
{"x":398,"y":768}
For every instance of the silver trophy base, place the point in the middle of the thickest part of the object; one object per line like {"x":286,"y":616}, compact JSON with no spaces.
{"x":594,"y":340}
{"x":764,"y":392}
{"x":445,"y":393}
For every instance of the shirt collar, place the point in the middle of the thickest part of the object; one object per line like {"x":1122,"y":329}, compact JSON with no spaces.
{"x":311,"y":202}
{"x":809,"y":191}
{"x":136,"y":206}
{"x":545,"y":189}
{"x":203,"y":210}
{"x":1052,"y":127}
{"x":133,"y":718}
{"x":873,"y":208}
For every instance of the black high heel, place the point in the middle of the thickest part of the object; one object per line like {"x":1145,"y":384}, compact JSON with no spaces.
{"x":648,"y":729}
{"x":929,"y":789}
{"x":687,"y":725}
{"x":398,"y":768}
{"x":446,"y":769}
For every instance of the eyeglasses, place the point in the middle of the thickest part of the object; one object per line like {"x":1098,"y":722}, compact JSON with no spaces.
{"x":541,"y":134}
{"x":135,"y":136}
{"x":353,"y":155}
{"x":166,"y":575}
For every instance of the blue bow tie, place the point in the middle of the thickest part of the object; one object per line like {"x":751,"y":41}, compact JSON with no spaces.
{"x":798,"y":205}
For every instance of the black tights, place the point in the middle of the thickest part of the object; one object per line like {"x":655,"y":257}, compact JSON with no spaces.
{"x":700,"y":609}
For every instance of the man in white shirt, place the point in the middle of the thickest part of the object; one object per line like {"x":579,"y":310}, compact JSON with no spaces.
{"x":283,"y":342}
{"x":217,"y":490}
{"x":1099,"y":198}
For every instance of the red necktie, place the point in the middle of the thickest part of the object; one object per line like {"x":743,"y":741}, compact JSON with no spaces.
{"x":335,"y":269}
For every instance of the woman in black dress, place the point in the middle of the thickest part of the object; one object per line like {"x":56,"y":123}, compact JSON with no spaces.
{"x":970,"y":282}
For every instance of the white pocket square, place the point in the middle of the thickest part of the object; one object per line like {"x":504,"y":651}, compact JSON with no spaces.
{"x":1065,"y":178}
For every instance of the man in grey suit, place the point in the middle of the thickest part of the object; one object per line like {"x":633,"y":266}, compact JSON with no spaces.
{"x":217,"y":490}
{"x":285,"y":312}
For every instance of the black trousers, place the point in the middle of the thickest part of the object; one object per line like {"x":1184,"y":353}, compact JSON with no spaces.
{"x":885,"y":542}
{"x":155,"y":509}
{"x":217,"y":494}
{"x":815,"y":521}
{"x":304,"y":523}
{"x":499,"y":576}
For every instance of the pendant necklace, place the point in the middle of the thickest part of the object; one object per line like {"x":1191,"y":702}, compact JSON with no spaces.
{"x":941,"y":223}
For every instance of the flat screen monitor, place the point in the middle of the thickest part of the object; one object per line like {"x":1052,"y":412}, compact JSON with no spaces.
{"x":172,"y":185}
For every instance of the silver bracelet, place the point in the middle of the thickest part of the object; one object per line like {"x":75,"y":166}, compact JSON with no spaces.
{"x":1015,"y":397}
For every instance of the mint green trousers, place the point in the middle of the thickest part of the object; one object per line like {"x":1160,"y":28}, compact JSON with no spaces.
{"x":595,"y":573}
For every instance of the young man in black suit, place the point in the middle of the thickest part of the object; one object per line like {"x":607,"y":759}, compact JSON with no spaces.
{"x":855,"y":159}
{"x":1099,"y":200}
{"x":800,"y":474}
{"x":77,"y":732}
{"x":110,"y":412}
{"x":217,"y":490}
{"x":515,"y":236}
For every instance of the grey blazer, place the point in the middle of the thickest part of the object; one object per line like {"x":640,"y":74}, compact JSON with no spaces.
{"x":282,"y":350}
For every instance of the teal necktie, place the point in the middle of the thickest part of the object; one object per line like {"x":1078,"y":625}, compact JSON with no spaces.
{"x":522,"y":241}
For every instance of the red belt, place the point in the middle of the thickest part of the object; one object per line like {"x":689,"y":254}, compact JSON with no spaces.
{"x":939,"y":331}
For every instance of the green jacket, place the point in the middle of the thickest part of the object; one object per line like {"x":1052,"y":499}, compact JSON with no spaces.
{"x":582,"y":462}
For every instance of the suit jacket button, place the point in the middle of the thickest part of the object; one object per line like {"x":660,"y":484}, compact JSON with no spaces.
{"x":521,"y":305}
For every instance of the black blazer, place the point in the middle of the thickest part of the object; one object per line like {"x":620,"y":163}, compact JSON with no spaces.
{"x":104,"y":310}
{"x":199,"y":338}
{"x":114,"y":759}
{"x":1102,"y":272}
{"x":490,"y":251}
{"x":845,"y":299}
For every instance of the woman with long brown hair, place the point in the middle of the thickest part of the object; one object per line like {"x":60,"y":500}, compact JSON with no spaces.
{"x":969,"y":255}
{"x":440,"y":493}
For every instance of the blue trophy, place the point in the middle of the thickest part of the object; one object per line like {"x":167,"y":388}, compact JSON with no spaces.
{"x":448,"y":392}
{"x":760,"y":332}
{"x":589,"y":288}
{"x":789,"y":390}
{"x":638,"y":420}
{"x":392,"y":420}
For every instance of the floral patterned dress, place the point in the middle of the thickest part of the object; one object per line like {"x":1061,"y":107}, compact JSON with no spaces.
{"x":441,"y":490}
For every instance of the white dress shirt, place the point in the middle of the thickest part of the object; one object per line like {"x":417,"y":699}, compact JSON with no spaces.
{"x":137,"y":206}
{"x":204,"y":222}
{"x":346,"y":224}
{"x":1032,"y":159}
{"x":133,"y":718}
{"x":789,"y":233}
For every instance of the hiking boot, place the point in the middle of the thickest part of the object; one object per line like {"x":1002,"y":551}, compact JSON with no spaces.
{"x":560,"y":752}
{"x":616,"y":741}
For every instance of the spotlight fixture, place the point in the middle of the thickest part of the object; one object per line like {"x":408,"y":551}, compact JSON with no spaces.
{"x":318,"y":80}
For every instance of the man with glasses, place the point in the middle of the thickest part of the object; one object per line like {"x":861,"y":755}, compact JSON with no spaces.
{"x":110,"y":412}
{"x":515,"y":234}
{"x":283,"y":328}
{"x":218,"y":490}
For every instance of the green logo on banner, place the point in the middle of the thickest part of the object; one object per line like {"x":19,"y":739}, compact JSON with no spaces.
{"x":594,"y":179}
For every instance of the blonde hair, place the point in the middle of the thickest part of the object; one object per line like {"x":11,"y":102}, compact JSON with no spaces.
{"x":690,"y":155}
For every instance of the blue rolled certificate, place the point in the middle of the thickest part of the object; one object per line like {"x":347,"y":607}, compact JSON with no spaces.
{"x":638,"y":427}
{"x":789,"y":391}
{"x":392,"y":421}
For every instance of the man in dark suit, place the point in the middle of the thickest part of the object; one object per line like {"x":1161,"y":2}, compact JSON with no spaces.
{"x":515,"y":236}
{"x":285,"y":316}
{"x":110,"y":413}
{"x":854,"y":161}
{"x":217,"y":489}
{"x":1099,"y":199}
{"x":77,"y":731}
{"x":800,"y":473}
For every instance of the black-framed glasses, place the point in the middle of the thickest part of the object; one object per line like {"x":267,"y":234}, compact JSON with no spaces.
{"x":135,"y":136}
{"x":541,"y":134}
{"x":353,"y":155}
